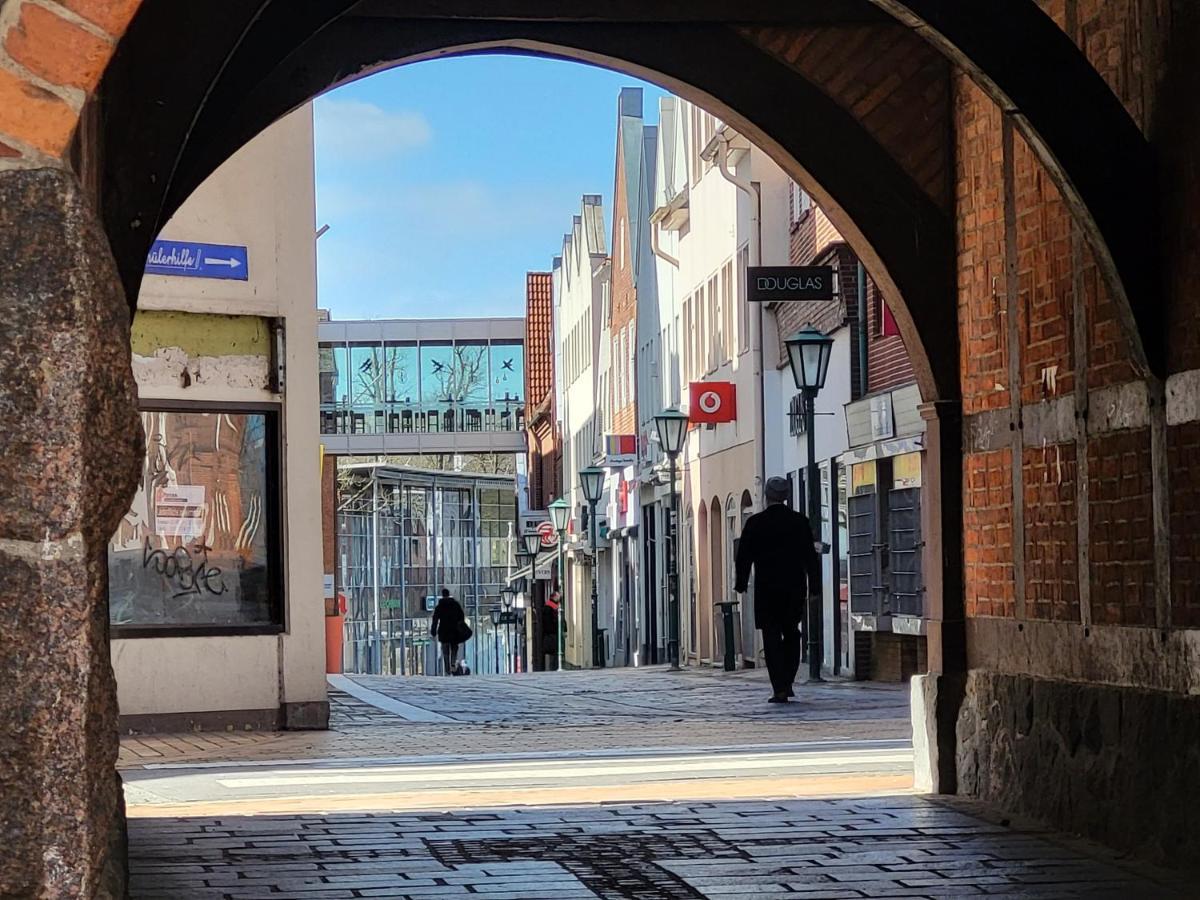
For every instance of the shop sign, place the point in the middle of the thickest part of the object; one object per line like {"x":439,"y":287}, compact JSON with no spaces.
{"x":620,"y":450}
{"x":544,"y":570}
{"x":771,"y":284}
{"x":712,"y":402}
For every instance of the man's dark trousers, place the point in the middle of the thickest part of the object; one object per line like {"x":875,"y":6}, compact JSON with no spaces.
{"x":781,"y":647}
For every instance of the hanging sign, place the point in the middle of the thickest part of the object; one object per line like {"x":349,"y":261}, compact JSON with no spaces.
{"x":712,"y":402}
{"x":770,"y":284}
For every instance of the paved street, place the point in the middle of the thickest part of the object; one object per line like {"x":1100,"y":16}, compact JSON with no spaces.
{"x":879,"y":847}
{"x":617,"y":784}
{"x":613,"y":709}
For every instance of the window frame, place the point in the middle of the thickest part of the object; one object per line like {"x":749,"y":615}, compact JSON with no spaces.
{"x":276,"y":538}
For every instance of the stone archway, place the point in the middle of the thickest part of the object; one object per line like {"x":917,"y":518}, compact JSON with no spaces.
{"x":83,"y":125}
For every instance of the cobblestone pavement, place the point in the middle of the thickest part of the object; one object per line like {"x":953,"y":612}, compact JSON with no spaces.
{"x":612,"y":709}
{"x":876,"y":847}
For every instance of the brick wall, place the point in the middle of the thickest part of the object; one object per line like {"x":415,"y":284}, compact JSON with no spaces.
{"x":53,"y":55}
{"x":1051,"y":533}
{"x":1183,"y":449}
{"x":1045,"y":277}
{"x":889,"y":79}
{"x":987,"y":526}
{"x":888,"y":362}
{"x":1122,"y":534}
{"x":981,"y":263}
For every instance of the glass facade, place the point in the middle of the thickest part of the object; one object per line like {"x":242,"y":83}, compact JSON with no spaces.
{"x":398,"y":387}
{"x":198,"y":549}
{"x":403,"y":537}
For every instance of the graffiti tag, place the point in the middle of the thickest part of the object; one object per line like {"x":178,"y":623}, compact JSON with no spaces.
{"x":187,"y":567}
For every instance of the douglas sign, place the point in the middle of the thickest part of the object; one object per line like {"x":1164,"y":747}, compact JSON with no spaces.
{"x":769,"y":284}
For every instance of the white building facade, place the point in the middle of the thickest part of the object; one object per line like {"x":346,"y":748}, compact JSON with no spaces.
{"x":712,"y":222}
{"x":580,"y":279}
{"x":215,"y":574}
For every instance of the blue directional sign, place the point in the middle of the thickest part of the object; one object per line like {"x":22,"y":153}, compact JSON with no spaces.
{"x":189,"y":260}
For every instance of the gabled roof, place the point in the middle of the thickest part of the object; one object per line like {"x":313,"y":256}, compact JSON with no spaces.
{"x":539,"y":336}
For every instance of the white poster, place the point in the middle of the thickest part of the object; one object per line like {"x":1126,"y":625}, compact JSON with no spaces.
{"x":179,"y":510}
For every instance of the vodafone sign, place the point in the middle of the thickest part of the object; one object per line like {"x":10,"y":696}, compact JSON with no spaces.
{"x":712,"y":402}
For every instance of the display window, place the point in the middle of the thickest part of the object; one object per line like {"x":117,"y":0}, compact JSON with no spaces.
{"x":199,"y":551}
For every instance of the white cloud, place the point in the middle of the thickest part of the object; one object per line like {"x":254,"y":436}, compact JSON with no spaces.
{"x":357,"y":131}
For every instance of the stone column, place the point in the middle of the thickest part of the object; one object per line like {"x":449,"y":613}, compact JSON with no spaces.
{"x":937,"y":697}
{"x":70,"y":451}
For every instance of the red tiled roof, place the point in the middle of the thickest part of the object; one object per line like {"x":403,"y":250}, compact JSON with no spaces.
{"x":539,"y":336}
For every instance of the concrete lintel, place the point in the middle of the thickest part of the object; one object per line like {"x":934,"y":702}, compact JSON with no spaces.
{"x":1183,"y":397}
{"x":1115,"y":408}
{"x":1118,"y":408}
{"x":987,"y":431}
{"x":1051,"y":422}
{"x":1144,"y":658}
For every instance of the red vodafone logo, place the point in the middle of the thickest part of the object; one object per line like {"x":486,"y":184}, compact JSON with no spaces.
{"x":709,"y":402}
{"x":547,"y":533}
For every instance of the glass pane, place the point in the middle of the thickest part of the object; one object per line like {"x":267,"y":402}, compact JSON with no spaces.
{"x":366,"y":374}
{"x":400,"y":373}
{"x":437,"y":372}
{"x":193,"y":548}
{"x":508,"y":372}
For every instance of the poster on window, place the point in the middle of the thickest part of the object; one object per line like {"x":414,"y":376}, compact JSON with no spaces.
{"x":179,"y":510}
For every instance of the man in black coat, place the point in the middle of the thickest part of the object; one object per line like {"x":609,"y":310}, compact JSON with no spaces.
{"x":778,"y":544}
{"x":447,"y":628}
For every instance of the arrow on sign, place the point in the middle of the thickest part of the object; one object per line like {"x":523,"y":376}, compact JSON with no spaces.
{"x":232,"y":263}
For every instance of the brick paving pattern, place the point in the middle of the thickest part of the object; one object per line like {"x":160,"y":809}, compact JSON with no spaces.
{"x":876,"y":847}
{"x":613,"y":709}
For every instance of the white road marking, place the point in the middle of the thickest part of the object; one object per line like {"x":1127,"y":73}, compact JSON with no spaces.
{"x":384,"y":702}
{"x":725,"y":765}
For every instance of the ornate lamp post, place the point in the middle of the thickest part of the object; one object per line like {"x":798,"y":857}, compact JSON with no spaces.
{"x":592,"y":480}
{"x":672,"y":429}
{"x":506,"y":601}
{"x":559,"y":513}
{"x":808,"y":352}
{"x":533,"y":543}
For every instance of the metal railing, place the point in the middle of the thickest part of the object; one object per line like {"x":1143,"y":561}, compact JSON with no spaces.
{"x":417,"y":418}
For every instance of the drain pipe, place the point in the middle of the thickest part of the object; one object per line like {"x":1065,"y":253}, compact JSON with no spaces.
{"x":753,"y":191}
{"x":655,"y":247}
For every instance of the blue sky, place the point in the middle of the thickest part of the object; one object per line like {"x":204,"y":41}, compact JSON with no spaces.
{"x":445,"y":181}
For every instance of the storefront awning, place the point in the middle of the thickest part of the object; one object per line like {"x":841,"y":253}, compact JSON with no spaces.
{"x":548,"y":556}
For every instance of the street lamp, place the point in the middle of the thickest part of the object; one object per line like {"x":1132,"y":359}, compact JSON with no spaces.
{"x":808,"y":352}
{"x":533,"y":543}
{"x":506,"y":601}
{"x":672,"y":429}
{"x":592,"y":480}
{"x":559,"y":512}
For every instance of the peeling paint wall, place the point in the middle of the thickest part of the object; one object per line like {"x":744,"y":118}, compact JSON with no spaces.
{"x":181,"y":355}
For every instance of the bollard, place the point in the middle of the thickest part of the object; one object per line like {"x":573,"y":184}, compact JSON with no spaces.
{"x":727,"y":615}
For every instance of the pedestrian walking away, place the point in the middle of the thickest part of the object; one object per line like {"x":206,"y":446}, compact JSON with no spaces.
{"x":777,"y":544}
{"x":451,"y":630}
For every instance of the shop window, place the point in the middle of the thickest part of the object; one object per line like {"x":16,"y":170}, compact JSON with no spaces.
{"x":199,"y":550}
